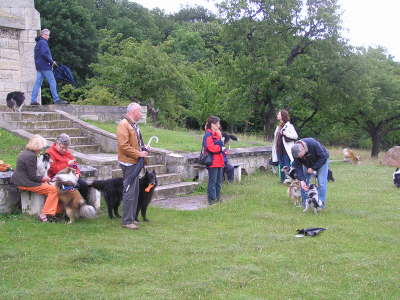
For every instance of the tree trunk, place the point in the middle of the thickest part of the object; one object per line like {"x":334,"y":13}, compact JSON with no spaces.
{"x":376,"y":143}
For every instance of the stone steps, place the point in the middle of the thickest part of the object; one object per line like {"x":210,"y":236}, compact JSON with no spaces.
{"x":171,"y":190}
{"x":52,"y":124}
{"x":41,"y":124}
{"x":30,"y":116}
{"x":55,"y":132}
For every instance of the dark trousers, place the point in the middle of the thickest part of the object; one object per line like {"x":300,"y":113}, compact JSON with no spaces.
{"x":284,"y":161}
{"x":229,"y":172}
{"x":130,"y":197}
{"x":215,"y":177}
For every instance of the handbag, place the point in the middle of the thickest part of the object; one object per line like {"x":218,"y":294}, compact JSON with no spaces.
{"x":205,"y":157}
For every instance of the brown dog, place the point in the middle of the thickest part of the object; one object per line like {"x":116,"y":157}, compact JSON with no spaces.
{"x":294,"y":192}
{"x":349,"y":155}
{"x":70,"y":197}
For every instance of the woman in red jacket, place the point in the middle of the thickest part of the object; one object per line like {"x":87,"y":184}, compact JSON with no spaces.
{"x":62,"y":158}
{"x":213,"y":144}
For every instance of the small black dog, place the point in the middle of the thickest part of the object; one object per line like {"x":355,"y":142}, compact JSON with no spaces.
{"x":147,"y":184}
{"x":396,"y":178}
{"x":226,"y":137}
{"x":15,"y":101}
{"x":113,"y":189}
{"x":112,"y":192}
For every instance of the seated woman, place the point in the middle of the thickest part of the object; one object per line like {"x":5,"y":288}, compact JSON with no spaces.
{"x":62,"y":158}
{"x":25,"y":177}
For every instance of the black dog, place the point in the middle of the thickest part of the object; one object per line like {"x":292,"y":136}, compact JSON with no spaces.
{"x":147,"y":184}
{"x":113,"y":189}
{"x":15,"y":101}
{"x":396,"y":178}
{"x":226,"y":137}
{"x":112,"y":192}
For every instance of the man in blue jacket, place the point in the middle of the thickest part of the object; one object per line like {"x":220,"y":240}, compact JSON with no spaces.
{"x":311,"y":158}
{"x":44,"y":63}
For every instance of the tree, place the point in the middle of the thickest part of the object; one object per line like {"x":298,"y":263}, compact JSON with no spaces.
{"x":73,"y":34}
{"x":371,"y":90}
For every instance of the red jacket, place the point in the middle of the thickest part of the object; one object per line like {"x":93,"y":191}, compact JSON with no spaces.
{"x":215,"y":149}
{"x":60,"y":161}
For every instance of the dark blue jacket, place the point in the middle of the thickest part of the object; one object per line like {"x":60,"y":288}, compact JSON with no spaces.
{"x":316,"y":156}
{"x":43,"y":58}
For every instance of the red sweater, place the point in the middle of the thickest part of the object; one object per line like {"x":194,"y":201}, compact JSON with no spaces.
{"x":60,"y":161}
{"x":218,"y":158}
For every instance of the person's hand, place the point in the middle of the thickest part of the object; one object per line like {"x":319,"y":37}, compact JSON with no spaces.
{"x":304,"y":186}
{"x":310,"y":171}
{"x":143,"y":153}
{"x":45,"y":179}
{"x":71,"y":162}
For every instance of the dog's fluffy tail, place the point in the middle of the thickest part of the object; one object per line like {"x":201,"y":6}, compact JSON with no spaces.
{"x":87,"y":211}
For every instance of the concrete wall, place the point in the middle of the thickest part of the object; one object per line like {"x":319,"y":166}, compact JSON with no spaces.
{"x":19,"y":25}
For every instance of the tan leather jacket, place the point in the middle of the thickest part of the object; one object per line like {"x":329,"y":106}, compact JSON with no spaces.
{"x":128,"y":145}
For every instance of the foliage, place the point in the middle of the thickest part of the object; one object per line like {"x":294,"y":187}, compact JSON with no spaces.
{"x":99,"y":95}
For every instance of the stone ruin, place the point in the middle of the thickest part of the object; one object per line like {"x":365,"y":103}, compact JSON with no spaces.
{"x":19,"y":26}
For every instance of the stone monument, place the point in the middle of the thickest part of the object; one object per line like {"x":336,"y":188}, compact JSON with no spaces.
{"x":19,"y":26}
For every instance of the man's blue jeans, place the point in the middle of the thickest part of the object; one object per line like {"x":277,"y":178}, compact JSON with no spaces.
{"x":322,"y":176}
{"x":215,"y":177}
{"x":40,"y":76}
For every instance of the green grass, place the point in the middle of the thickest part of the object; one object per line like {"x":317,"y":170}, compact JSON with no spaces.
{"x":243,"y":248}
{"x":10,"y":147}
{"x":180,"y":139}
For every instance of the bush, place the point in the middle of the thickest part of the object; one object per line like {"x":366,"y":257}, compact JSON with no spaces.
{"x":101,"y":96}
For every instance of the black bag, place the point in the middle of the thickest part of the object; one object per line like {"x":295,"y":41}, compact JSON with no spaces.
{"x":205,"y":157}
{"x":288,"y":139}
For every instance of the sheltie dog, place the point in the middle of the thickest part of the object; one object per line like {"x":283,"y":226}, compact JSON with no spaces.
{"x":43,"y":164}
{"x":313,"y":202}
{"x":350,"y":156}
{"x":294,"y":192}
{"x":396,"y":177}
{"x":69,"y":196}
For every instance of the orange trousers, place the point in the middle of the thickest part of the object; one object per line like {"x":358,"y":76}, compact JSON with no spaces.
{"x":51,"y":205}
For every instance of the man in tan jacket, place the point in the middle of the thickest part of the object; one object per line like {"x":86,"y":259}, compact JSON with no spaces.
{"x":130,"y":149}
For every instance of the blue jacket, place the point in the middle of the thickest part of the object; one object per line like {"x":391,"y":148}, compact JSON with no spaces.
{"x":43,"y":58}
{"x":315,"y":158}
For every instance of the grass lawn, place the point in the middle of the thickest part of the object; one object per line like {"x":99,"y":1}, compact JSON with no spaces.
{"x":180,"y":139}
{"x":10,"y":147}
{"x":243,"y":248}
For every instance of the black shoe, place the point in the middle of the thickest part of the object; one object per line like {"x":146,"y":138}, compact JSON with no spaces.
{"x":61,"y":102}
{"x":35,"y":103}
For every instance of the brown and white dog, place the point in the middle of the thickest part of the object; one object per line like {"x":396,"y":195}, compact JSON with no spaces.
{"x":294,"y":192}
{"x":69,"y":196}
{"x":350,"y":156}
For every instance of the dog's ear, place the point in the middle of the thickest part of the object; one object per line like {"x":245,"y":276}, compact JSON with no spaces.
{"x":233,"y":137}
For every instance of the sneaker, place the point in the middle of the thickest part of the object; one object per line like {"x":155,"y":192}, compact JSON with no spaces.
{"x":130,"y":226}
{"x":35,"y":103}
{"x":61,"y":102}
{"x":42,"y":218}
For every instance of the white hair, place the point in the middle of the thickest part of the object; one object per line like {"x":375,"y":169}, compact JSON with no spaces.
{"x":133,"y":106}
{"x":45,"y":31}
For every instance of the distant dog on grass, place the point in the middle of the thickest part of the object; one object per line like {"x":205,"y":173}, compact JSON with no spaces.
{"x":294,"y":192}
{"x":396,"y":178}
{"x":15,"y":101}
{"x":350,"y":156}
{"x":313,"y":202}
{"x":69,"y":196}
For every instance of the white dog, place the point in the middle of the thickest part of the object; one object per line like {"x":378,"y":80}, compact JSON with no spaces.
{"x":313,"y":200}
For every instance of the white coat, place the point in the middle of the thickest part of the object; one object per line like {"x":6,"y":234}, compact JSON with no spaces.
{"x":288,"y":131}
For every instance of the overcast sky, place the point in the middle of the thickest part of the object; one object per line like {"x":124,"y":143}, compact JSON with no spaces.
{"x":368,"y":22}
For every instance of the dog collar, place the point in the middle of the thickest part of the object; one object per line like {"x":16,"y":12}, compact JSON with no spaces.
{"x":67,"y":187}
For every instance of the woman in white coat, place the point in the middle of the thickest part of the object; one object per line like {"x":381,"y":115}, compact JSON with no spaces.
{"x":284,"y":137}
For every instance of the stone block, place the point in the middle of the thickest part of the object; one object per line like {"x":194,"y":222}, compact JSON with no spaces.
{"x":9,"y":44}
{"x":10,"y":199}
{"x":17,"y":4}
{"x":31,"y":203}
{"x":9,"y":54}
{"x":95,"y":198}
{"x":6,"y":64}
